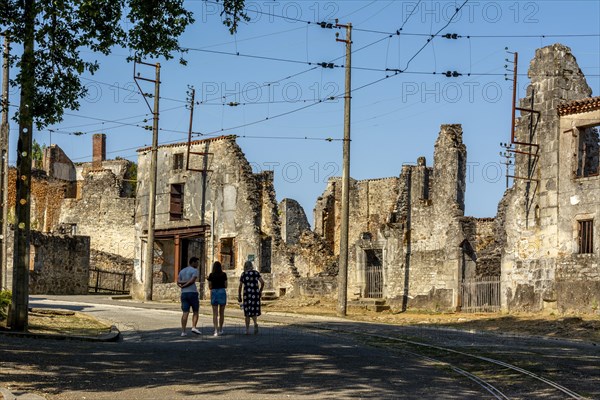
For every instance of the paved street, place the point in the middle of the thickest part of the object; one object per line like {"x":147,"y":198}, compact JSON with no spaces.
{"x":284,"y":361}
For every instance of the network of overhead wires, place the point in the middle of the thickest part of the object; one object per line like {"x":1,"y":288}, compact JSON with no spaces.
{"x":382,"y":72}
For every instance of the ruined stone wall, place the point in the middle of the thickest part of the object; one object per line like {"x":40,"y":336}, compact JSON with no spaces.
{"x":46,"y":199}
{"x":433,"y":230}
{"x":57,"y":164}
{"x":58,"y":264}
{"x":533,"y":223}
{"x":317,"y":287}
{"x":482,"y":250}
{"x":410,"y":224}
{"x":108,"y":262}
{"x":102,"y":214}
{"x":293,"y":221}
{"x":123,"y":170}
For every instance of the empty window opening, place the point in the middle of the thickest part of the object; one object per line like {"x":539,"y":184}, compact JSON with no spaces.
{"x":178,"y":161}
{"x":587,"y":152}
{"x":176,"y":203}
{"x":586,"y":236}
{"x":227,"y":253}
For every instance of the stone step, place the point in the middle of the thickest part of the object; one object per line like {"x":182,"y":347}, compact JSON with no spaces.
{"x":376,"y":305}
{"x":269,"y":295}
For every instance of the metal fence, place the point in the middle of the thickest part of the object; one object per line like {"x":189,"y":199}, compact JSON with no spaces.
{"x":109,"y":281}
{"x":374,"y":280}
{"x":481,"y":294}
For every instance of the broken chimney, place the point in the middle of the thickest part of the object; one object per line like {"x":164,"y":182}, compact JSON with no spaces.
{"x":99,"y":150}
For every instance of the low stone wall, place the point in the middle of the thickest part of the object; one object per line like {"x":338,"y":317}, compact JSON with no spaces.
{"x":110,"y":272}
{"x":318,"y":286}
{"x":58,"y":264}
{"x":166,"y":291}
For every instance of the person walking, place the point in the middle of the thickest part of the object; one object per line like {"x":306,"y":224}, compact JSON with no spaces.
{"x":217,"y":283}
{"x":189,"y":295}
{"x":253,"y":285}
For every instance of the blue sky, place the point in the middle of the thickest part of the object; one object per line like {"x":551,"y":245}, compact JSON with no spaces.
{"x":393,"y":121}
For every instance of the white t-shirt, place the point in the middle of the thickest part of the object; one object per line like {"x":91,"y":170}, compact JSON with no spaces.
{"x":185,"y":275}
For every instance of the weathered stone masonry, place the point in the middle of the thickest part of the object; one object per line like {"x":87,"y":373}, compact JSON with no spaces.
{"x":543,"y":265}
{"x":409,"y":240}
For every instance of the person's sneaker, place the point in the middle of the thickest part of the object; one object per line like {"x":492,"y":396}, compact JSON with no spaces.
{"x":183,"y":334}
{"x":196,"y":331}
{"x":221,"y":331}
{"x":216,"y":333}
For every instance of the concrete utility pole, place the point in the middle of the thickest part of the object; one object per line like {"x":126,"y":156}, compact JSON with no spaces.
{"x":343,"y":260}
{"x":20,"y":294}
{"x":4,"y":129}
{"x":149,"y":256}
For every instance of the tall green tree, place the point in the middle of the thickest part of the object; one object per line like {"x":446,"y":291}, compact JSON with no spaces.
{"x":53,"y":33}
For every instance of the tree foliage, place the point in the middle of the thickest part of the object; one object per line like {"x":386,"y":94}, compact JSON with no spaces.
{"x":63,"y":28}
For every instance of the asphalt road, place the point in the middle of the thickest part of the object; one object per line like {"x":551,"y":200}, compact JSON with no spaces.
{"x":154,"y":362}
{"x":284,"y":361}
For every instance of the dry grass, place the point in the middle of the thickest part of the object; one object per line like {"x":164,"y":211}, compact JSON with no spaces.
{"x":580,"y":327}
{"x":56,"y":322}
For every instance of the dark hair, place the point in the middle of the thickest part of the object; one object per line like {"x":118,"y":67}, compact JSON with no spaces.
{"x":194,"y":259}
{"x":217,"y":268}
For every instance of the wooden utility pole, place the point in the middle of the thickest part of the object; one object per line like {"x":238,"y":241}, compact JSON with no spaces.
{"x":343,"y":260}
{"x":20,"y":294}
{"x":149,"y":256}
{"x":4,"y":129}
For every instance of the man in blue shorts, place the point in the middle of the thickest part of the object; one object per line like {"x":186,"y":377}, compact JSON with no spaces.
{"x":189,"y":295}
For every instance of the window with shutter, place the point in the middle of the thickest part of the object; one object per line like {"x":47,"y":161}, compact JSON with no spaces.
{"x":176,"y":203}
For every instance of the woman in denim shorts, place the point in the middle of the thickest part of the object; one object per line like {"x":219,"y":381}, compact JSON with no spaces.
{"x":217,"y":283}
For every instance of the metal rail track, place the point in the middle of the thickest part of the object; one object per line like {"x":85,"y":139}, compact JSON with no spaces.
{"x":494,"y":391}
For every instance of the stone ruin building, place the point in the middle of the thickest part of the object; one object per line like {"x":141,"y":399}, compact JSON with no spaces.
{"x":550,"y":242}
{"x":81,"y":221}
{"x":209,"y":204}
{"x":409,"y":242}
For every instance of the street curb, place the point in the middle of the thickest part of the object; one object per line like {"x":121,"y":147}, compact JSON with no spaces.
{"x":111,"y":336}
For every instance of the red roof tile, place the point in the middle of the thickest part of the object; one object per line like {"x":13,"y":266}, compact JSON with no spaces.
{"x":579,"y":106}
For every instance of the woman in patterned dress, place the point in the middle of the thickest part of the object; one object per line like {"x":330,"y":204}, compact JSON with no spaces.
{"x":253,"y":285}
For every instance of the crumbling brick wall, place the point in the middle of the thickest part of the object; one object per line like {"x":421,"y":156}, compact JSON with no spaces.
{"x":46,"y":199}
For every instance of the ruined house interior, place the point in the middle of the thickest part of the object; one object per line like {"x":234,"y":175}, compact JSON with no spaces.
{"x":410,"y":242}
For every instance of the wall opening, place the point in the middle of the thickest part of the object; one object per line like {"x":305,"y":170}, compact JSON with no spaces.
{"x":374,"y":273}
{"x":227,"y":253}
{"x":587,"y":152}
{"x":585,"y":236}
{"x":265,"y":255}
{"x":176,"y":203}
{"x":177,"y":161}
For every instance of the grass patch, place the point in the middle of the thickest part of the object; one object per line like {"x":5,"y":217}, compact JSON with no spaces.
{"x":70,"y":323}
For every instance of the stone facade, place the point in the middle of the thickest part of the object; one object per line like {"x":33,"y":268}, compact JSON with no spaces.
{"x":215,"y":208}
{"x":544,"y":266}
{"x":102,"y":214}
